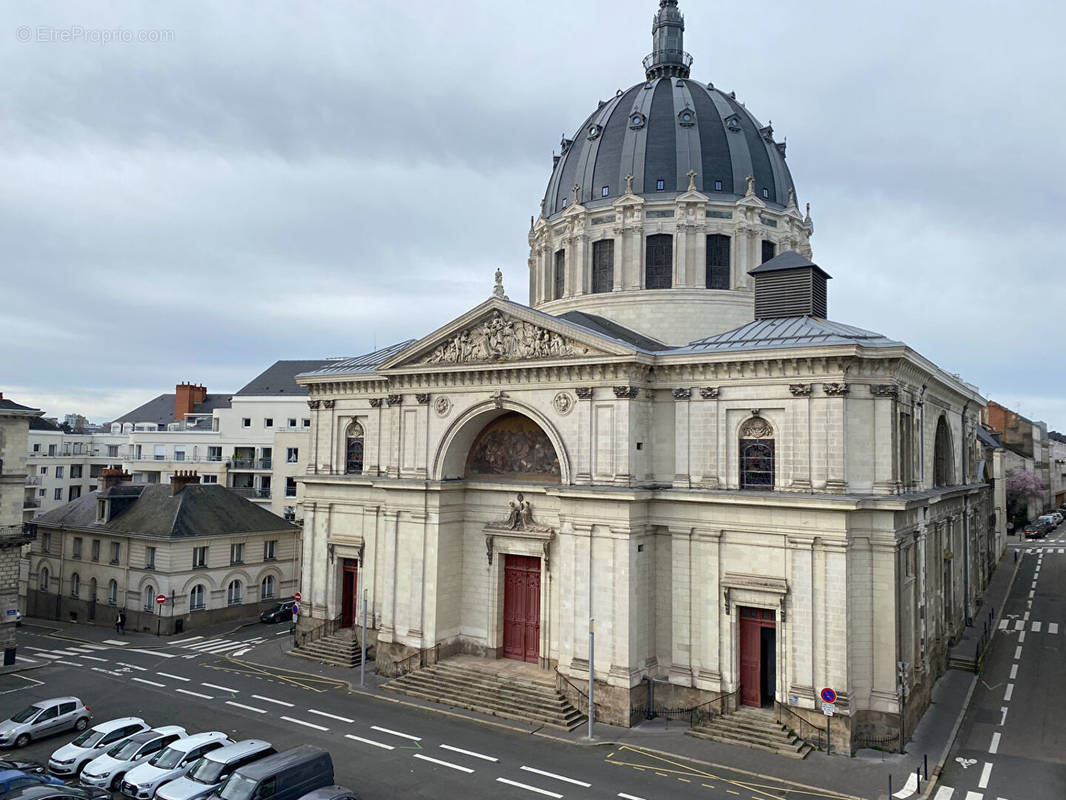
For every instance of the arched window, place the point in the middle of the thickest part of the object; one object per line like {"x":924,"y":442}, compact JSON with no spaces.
{"x":196,"y":598}
{"x":43,"y":582}
{"x":943,"y":467}
{"x":513,"y":447}
{"x":75,"y":585}
{"x":757,"y":455}
{"x":112,"y":593}
{"x":602,"y":266}
{"x":559,"y":275}
{"x":149,"y":598}
{"x":717,"y":261}
{"x":659,"y":266}
{"x":353,"y":459}
{"x":234,"y":593}
{"x":267,"y":588}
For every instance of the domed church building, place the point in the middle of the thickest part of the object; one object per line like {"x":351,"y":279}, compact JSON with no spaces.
{"x":671,"y":445}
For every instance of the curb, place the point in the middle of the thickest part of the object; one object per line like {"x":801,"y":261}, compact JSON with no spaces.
{"x":935,"y":779}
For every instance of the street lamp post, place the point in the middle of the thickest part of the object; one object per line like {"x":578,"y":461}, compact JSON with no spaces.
{"x":592,"y":674}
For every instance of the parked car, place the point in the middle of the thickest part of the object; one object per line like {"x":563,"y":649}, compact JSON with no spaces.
{"x":11,"y":779}
{"x":331,"y":793}
{"x":70,"y":758}
{"x":282,"y":612}
{"x":169,"y":764}
{"x":106,"y":771}
{"x":283,"y":776}
{"x":1034,"y":530}
{"x":60,"y":792}
{"x":214,"y":769}
{"x":24,"y":766}
{"x":44,"y":718}
{"x":1049,"y":520}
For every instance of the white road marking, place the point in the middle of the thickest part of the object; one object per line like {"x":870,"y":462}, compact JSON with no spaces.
{"x":1013,"y":671}
{"x":470,"y":753}
{"x":1003,"y":719}
{"x":68,"y":663}
{"x":331,"y":716}
{"x":1025,"y":616}
{"x":220,"y":688}
{"x":272,"y":700}
{"x":223,"y":648}
{"x":308,"y":724}
{"x":246,"y":708}
{"x":557,"y":777}
{"x":195,"y":694}
{"x":1060,"y":551}
{"x":131,"y":666}
{"x":186,"y":641}
{"x":625,"y":796}
{"x":51,"y":655}
{"x":1017,"y":652}
{"x":397,"y":733}
{"x":150,"y":683}
{"x":448,"y":764}
{"x":1031,"y":593}
{"x":944,"y":793}
{"x":1003,"y":624}
{"x":240,"y":652}
{"x":116,"y":642}
{"x":1021,"y":637}
{"x":527,"y":787}
{"x":175,"y":677}
{"x":974,"y":796}
{"x":1018,"y":625}
{"x":1036,"y":627}
{"x":36,"y":649}
{"x":1053,"y":627}
{"x":369,"y":741}
{"x":1009,"y":693}
{"x":25,"y":660}
{"x":94,"y":658}
{"x":986,"y":773}
{"x":153,"y":653}
{"x":994,"y":747}
{"x":97,"y":647}
{"x":281,"y":633}
{"x":79,"y":649}
{"x":909,"y":788}
{"x":207,"y":643}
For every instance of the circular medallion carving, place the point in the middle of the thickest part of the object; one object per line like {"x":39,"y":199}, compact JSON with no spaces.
{"x":563,"y":402}
{"x":442,"y":405}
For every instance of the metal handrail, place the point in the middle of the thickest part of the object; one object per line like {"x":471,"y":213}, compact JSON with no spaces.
{"x":801,"y":729}
{"x":575,"y":687}
{"x":407,"y":665}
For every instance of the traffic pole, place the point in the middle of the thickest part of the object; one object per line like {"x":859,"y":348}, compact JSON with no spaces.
{"x":592,"y":675}
{"x":362,"y":648}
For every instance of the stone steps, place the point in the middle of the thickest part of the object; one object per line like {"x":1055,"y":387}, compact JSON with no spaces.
{"x":530,"y":700}
{"x":340,"y":650}
{"x":753,"y":728}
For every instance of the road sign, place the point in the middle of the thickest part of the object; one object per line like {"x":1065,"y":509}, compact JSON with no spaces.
{"x":160,"y":598}
{"x":828,"y":695}
{"x":296,"y":609}
{"x":828,"y":709}
{"x":297,"y":597}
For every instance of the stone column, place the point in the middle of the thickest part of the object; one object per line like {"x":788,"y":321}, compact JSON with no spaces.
{"x":799,"y":455}
{"x":416,"y":553}
{"x":312,"y":457}
{"x":623,"y":465}
{"x":836,"y":436}
{"x":707,"y":441}
{"x":682,"y":438}
{"x":681,"y":236}
{"x":635,"y":260}
{"x":803,"y":647}
{"x":579,"y":269}
{"x":707,"y":608}
{"x":583,"y":453}
{"x":622,"y":661}
{"x":681,"y":607}
{"x":387,"y":626}
{"x":886,"y":446}
{"x":620,"y":255}
{"x":581,"y":592}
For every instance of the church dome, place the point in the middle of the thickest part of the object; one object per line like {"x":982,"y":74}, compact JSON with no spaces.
{"x":661,"y":129}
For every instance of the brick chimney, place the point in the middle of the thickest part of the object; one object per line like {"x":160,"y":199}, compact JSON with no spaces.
{"x":180,"y":479}
{"x":113,"y":477}
{"x":186,"y":396}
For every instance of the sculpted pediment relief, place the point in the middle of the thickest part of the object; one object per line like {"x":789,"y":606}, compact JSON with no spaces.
{"x":501,"y":337}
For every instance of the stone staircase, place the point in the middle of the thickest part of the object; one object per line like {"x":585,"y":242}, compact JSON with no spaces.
{"x":532,"y":700}
{"x":340,"y":649}
{"x":753,"y":727}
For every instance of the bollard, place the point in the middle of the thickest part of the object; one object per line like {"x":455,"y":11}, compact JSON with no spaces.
{"x":1015,"y":556}
{"x":889,"y":785}
{"x":918,"y":775}
{"x":925,"y":760}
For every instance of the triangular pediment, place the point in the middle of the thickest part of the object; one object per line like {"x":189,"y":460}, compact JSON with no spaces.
{"x":500,"y":331}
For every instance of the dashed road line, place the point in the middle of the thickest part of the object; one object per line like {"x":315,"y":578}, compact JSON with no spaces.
{"x":186,"y":641}
{"x":397,"y":733}
{"x":272,"y":700}
{"x":556,"y":777}
{"x":1053,"y":627}
{"x":131,"y":666}
{"x":470,"y":753}
{"x":448,"y":764}
{"x":307,"y":724}
{"x":220,"y":688}
{"x":529,"y":788}
{"x":625,"y":796}
{"x":331,"y":716}
{"x":246,"y":708}
{"x":175,"y":677}
{"x":986,"y":773}
{"x":150,"y":683}
{"x":94,"y":658}
{"x":195,"y":694}
{"x":116,"y":642}
{"x":994,"y":747}
{"x":1003,"y":719}
{"x":1013,"y":671}
{"x":1009,"y":693}
{"x":152,"y":653}
{"x":382,"y":745}
{"x":68,"y":663}
{"x":1017,"y":652}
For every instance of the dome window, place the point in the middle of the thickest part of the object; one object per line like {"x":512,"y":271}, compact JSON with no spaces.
{"x":648,"y":85}
{"x":766,"y":193}
{"x":687,"y":117}
{"x":595,"y":131}
{"x":733,"y":123}
{"x":565,"y":199}
{"x":637,"y":120}
{"x":718,"y":186}
{"x":606,"y":190}
{"x":660,"y":185}
{"x":680,"y":84}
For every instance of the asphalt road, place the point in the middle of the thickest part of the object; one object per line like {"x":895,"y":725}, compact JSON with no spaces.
{"x":380,"y":749}
{"x":1012,"y":743}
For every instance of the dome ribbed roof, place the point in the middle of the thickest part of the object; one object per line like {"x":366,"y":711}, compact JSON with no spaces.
{"x":659,"y":130}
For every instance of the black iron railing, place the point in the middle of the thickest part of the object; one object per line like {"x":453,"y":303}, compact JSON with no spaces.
{"x":803,"y":728}
{"x":418,"y":660}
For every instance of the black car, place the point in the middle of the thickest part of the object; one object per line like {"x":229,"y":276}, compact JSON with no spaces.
{"x":52,"y":792}
{"x":282,"y":612}
{"x":32,"y":767}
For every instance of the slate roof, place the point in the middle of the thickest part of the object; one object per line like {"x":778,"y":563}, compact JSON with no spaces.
{"x":160,"y":410}
{"x":41,"y":424}
{"x":280,"y":378}
{"x":771,"y":334}
{"x":358,"y":364}
{"x":990,"y":438}
{"x":612,"y":330}
{"x":197,"y":510}
{"x":787,"y":260}
{"x":11,"y":405}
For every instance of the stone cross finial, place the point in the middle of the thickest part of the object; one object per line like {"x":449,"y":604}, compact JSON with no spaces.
{"x":808,"y":210}
{"x":497,"y":290}
{"x":692,"y":180}
{"x":751,"y":186}
{"x":791,"y":197}
{"x":629,"y":184}
{"x":577,"y":193}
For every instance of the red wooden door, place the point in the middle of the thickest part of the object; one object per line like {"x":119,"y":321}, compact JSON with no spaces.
{"x":753,"y":653}
{"x":348,"y":594}
{"x":521,"y":608}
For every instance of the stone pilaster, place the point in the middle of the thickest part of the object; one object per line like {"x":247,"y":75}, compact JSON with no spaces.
{"x":681,"y":613}
{"x":682,"y":438}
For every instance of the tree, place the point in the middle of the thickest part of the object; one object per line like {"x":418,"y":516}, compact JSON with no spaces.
{"x":1022,"y":486}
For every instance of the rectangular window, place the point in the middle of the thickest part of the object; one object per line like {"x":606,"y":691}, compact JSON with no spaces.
{"x":199,"y":557}
{"x":114,"y":552}
{"x":75,"y":470}
{"x":46,"y":542}
{"x":58,"y":494}
{"x":214,"y":453}
{"x":246,"y":422}
{"x":307,"y":422}
{"x":603,"y":266}
{"x":660,"y":185}
{"x":290,"y":487}
{"x":159,"y":452}
{"x":559,"y":275}
{"x":94,"y":550}
{"x":270,"y":549}
{"x":73,"y":493}
{"x":769,"y":250}
{"x":236,"y":554}
{"x":179,"y":452}
{"x":718,"y":261}
{"x":37,"y":448}
{"x":268,"y":422}
{"x":718,"y":186}
{"x":112,"y":451}
{"x":606,"y":190}
{"x":44,"y":470}
{"x":76,"y":552}
{"x":59,"y":472}
{"x":209,"y":479}
{"x":51,"y":449}
{"x":292,"y":422}
{"x":292,"y":455}
{"x":149,"y":558}
{"x":137,"y":452}
{"x":41,"y":492}
{"x":659,"y":267}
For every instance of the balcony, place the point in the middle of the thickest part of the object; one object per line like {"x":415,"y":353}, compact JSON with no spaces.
{"x":250,"y":463}
{"x":31,"y":503}
{"x":251,"y":492}
{"x":33,"y":480}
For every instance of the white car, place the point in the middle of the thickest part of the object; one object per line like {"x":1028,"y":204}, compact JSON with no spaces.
{"x":170,"y":764}
{"x":107,"y":771}
{"x":70,"y":758}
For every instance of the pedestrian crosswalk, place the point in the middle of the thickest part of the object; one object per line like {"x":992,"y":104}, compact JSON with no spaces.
{"x":949,"y":793}
{"x":216,"y":646}
{"x":1032,"y":625}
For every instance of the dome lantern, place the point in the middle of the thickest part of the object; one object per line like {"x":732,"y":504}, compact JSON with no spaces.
{"x":668,"y":56}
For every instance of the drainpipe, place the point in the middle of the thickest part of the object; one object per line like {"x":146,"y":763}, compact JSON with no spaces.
{"x":921,"y":437}
{"x":965,"y":524}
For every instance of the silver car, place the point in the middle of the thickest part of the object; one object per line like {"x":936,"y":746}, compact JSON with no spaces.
{"x":214,"y":769}
{"x":106,"y":771}
{"x":44,"y":718}
{"x":70,"y":758}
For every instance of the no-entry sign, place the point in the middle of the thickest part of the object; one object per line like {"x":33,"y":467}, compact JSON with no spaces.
{"x":160,"y":598}
{"x":828,"y":695}
{"x":297,"y":597}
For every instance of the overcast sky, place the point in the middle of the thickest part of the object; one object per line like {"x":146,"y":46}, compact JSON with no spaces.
{"x":270,"y":180}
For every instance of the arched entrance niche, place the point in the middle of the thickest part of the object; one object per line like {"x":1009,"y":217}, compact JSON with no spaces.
{"x":943,"y":463}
